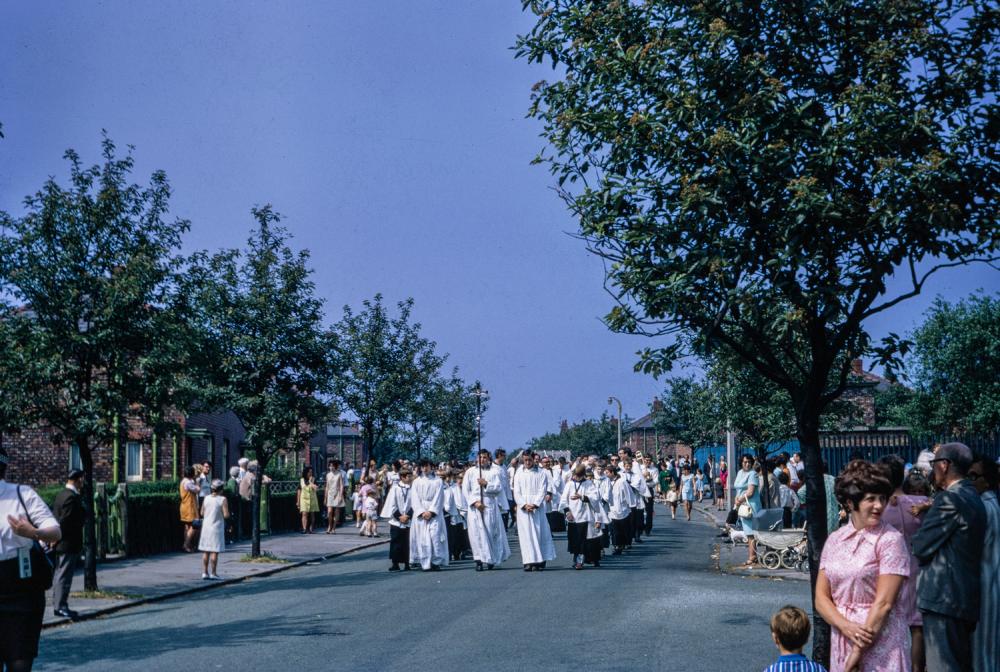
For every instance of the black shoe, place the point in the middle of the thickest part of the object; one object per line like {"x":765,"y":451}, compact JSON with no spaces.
{"x":488,"y":566}
{"x":479,"y":565}
{"x":527,"y":568}
{"x":395,"y":567}
{"x":435,"y":568}
{"x":617,"y":551}
{"x":639,"y":541}
{"x":597,"y":563}
{"x":406,"y":567}
{"x":66,"y":613}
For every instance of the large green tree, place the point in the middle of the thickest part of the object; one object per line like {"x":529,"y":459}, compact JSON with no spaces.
{"x":265,"y":353}
{"x":954,"y":370}
{"x":386,"y":364}
{"x":93,"y":264}
{"x":455,"y":418}
{"x":595,"y":436}
{"x":754,"y":173}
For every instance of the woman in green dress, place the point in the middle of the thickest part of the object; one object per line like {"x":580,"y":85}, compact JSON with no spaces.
{"x":308,"y":501}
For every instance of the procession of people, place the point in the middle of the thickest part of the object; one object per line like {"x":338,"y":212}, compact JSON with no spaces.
{"x":447,"y":513}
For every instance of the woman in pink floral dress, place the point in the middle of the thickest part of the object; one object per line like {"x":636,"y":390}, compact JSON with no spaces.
{"x":861,"y":573}
{"x":905,"y":513}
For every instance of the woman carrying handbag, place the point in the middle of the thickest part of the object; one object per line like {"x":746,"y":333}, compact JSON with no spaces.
{"x":25,"y":572}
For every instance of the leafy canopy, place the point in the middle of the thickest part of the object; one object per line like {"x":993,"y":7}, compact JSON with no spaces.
{"x":754,"y":172}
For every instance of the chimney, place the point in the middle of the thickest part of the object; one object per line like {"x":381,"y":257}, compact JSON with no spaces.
{"x":857,"y":368}
{"x":657,"y":405}
{"x":563,"y":426}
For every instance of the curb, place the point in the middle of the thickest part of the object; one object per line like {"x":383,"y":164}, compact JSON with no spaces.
{"x":791,"y":575}
{"x":206,"y":585}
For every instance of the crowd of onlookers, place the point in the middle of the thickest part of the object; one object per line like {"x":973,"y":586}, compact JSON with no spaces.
{"x":909,"y":577}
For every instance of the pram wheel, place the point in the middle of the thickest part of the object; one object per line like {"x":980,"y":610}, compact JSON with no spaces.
{"x":771,"y":560}
{"x":790,"y":558}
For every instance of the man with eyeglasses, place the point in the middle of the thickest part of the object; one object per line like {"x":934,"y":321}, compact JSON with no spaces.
{"x":949,"y":548}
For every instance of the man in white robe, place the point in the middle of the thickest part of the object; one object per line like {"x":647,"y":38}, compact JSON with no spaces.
{"x":556,"y":521}
{"x":619,"y":511}
{"x":482,"y":489}
{"x":499,"y":457}
{"x":532,"y":492}
{"x":398,"y":511}
{"x":428,"y":533}
{"x":455,"y":509}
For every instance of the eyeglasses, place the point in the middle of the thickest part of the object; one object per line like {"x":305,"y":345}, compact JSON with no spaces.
{"x":940,"y":459}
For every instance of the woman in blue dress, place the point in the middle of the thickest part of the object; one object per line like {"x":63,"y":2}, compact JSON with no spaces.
{"x":747,"y":487}
{"x":687,"y":489}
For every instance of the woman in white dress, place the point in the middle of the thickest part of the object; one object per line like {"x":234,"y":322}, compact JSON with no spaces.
{"x":214,"y":513}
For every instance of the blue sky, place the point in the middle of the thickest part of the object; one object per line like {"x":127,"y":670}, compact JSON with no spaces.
{"x":392,"y":138}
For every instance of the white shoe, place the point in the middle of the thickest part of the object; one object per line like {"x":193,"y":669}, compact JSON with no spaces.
{"x":214,"y":577}
{"x":204,"y":576}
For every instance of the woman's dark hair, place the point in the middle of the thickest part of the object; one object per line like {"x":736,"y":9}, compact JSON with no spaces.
{"x":895,"y":469}
{"x":747,"y":456}
{"x":188,"y":472}
{"x":991,"y":471}
{"x":858,"y":479}
{"x":306,"y":470}
{"x":783,"y":478}
{"x":916,"y":483}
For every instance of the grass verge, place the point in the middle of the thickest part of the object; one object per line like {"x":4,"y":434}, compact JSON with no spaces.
{"x":266,"y":557}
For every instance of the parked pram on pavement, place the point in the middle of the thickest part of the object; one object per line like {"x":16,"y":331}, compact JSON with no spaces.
{"x":783,"y":548}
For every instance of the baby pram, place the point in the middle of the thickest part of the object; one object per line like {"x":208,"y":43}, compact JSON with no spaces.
{"x":783,"y":548}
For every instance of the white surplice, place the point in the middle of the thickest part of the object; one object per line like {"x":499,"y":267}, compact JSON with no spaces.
{"x":533,"y":533}
{"x":428,"y":538}
{"x":487,"y":536}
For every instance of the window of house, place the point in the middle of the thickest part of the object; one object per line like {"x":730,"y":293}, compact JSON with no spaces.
{"x":74,"y":457}
{"x":226,"y":464}
{"x":133,"y":461}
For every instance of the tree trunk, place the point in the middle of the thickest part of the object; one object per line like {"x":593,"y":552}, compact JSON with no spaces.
{"x":807,"y":432}
{"x":89,"y":519}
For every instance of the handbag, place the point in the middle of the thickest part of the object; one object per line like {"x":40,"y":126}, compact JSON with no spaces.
{"x":744,"y":511}
{"x":41,"y":564}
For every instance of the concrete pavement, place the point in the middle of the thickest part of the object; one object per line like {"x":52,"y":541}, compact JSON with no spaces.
{"x":662,"y":604}
{"x":158,"y":577}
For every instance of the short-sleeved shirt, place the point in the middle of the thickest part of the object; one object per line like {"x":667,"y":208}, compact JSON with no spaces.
{"x":34,"y":509}
{"x":853,"y":560}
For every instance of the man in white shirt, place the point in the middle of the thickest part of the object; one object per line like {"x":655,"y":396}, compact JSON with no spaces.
{"x":455,"y":510}
{"x":499,"y":457}
{"x":619,"y":510}
{"x":556,"y":521}
{"x":399,"y":512}
{"x":482,"y":489}
{"x":428,"y":534}
{"x":650,"y":474}
{"x":532,"y":491}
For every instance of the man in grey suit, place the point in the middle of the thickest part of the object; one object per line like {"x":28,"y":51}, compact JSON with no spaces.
{"x":68,"y":510}
{"x":949,"y":546}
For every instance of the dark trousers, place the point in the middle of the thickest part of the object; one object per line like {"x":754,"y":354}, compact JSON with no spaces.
{"x":557,"y":521}
{"x":576,"y":538}
{"x":62,"y":578}
{"x":399,"y":545}
{"x":649,"y":515}
{"x":637,"y":523}
{"x":621,"y":532}
{"x":948,"y":642}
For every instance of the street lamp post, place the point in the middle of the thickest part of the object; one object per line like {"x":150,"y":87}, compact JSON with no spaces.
{"x":612,"y":400}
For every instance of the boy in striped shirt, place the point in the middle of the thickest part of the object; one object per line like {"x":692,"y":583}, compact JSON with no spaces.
{"x":790,"y":632}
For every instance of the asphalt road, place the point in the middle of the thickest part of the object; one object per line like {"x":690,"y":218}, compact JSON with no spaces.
{"x":663,"y":605}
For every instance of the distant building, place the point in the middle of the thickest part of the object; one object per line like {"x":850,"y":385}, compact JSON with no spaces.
{"x":217,"y":437}
{"x":643,"y":436}
{"x":341,"y":441}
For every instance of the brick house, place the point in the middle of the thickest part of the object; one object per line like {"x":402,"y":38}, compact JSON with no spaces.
{"x":643,"y":436}
{"x":218,"y":437}
{"x":339,"y":440}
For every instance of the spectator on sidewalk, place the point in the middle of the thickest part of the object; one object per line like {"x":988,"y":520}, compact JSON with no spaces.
{"x":234,"y":480}
{"x":949,"y":547}
{"x":983,"y":474}
{"x":24,"y":519}
{"x":832,"y":507}
{"x":862,"y":569}
{"x":204,"y":481}
{"x":747,"y":487}
{"x":67,"y":508}
{"x":358,"y":507}
{"x":789,"y":502}
{"x":370,"y":513}
{"x":242,"y":465}
{"x":189,"y":507}
{"x":790,"y":632}
{"x":308,"y":501}
{"x":905,"y":513}
{"x":334,"y":496}
{"x":214,"y":513}
{"x":687,"y":489}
